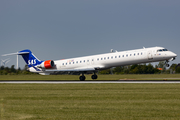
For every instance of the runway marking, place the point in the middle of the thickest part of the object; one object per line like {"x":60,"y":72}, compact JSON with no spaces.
{"x":84,"y":82}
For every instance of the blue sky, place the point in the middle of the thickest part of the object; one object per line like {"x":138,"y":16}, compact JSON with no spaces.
{"x":58,"y":29}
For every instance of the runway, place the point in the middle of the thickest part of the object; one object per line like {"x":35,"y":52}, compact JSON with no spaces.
{"x":83,"y":82}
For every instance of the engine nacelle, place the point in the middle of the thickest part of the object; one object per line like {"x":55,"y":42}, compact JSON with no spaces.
{"x":47,"y":64}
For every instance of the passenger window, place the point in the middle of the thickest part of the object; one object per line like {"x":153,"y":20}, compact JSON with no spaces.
{"x":105,"y":58}
{"x":119,"y":56}
{"x":112,"y":57}
{"x":115,"y":56}
{"x":123,"y":56}
{"x":101,"y":58}
{"x":126,"y":55}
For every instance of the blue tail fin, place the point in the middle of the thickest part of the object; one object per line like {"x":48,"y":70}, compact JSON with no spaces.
{"x":29,"y":58}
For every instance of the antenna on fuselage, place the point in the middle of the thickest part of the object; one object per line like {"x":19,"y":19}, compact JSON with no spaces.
{"x":113,"y":51}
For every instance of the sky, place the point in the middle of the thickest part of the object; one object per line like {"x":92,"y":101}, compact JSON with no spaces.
{"x":59,"y":29}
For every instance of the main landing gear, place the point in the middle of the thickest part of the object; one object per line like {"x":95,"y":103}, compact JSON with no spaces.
{"x":82,"y":77}
{"x":94,"y":76}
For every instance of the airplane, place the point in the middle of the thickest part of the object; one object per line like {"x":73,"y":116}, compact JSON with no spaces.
{"x":95,"y":63}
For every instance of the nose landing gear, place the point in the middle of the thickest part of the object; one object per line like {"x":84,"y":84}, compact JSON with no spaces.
{"x":167,"y":65}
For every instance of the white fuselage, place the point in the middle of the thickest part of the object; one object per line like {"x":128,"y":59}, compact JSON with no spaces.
{"x":108,"y":60}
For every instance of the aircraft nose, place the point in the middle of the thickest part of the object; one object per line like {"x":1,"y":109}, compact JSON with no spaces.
{"x":174,"y":55}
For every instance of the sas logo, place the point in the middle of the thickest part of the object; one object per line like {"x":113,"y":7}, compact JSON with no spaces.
{"x":31,"y":62}
{"x":70,"y":61}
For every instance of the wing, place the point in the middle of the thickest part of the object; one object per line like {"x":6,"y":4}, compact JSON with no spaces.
{"x":77,"y":69}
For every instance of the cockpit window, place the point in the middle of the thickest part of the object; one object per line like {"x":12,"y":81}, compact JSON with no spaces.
{"x":165,"y":50}
{"x":161,"y":50}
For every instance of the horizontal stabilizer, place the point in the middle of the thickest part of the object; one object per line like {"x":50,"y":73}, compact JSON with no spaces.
{"x":10,"y":54}
{"x":18,"y":53}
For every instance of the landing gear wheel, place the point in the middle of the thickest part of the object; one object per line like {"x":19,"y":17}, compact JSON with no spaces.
{"x":82,"y":78}
{"x":167,"y":65}
{"x":94,"y":77}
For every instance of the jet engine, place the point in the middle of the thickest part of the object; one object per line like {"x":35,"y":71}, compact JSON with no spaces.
{"x":46,"y":64}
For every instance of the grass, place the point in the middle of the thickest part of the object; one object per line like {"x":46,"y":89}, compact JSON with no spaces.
{"x":89,"y":101}
{"x":88,"y":77}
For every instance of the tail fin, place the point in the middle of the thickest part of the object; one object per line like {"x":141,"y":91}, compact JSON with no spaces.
{"x":29,"y":58}
{"x":34,"y":64}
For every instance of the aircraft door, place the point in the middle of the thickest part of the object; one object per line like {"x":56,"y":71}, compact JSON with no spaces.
{"x":88,"y":62}
{"x":92,"y":61}
{"x":150,"y":55}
